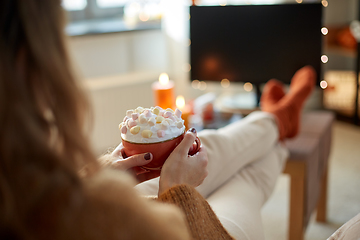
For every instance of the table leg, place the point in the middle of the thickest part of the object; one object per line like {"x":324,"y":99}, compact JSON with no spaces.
{"x":297,"y":172}
{"x":322,"y":204}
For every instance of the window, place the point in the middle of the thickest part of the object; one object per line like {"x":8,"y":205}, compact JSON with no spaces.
{"x":79,"y":10}
{"x":74,"y":5}
{"x":111,"y":3}
{"x":104,"y":16}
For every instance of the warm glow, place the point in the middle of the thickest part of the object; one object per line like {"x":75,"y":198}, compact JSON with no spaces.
{"x":299,"y":1}
{"x":144,"y":17}
{"x":248,"y":87}
{"x":323,"y":84}
{"x":202,"y":85}
{"x":324,"y":58}
{"x":180,"y":102}
{"x":223,"y":2}
{"x":195,"y":84}
{"x":211,"y":64}
{"x":324,"y":3}
{"x":163,"y":79}
{"x":324,"y":31}
{"x":225,"y":83}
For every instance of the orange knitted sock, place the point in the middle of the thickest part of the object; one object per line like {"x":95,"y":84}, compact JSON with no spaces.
{"x":287,"y":110}
{"x":272,"y":93}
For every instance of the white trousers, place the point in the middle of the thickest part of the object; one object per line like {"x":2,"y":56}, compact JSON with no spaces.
{"x":245,"y":160}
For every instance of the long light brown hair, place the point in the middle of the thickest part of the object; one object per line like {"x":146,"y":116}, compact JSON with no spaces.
{"x":42,"y":112}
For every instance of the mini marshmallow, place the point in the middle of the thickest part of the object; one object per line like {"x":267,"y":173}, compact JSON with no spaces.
{"x":146,"y":134}
{"x":120,"y":125}
{"x":161,"y":113}
{"x":128,"y":113}
{"x":131,"y":123}
{"x":147,"y":113}
{"x":164,"y":125}
{"x":135,"y":130}
{"x":159,"y":119}
{"x":170,"y":121}
{"x":142,"y":119}
{"x":125,"y":118}
{"x":174,"y":118}
{"x":178,"y":113}
{"x":151,"y":121}
{"x":168,"y":114}
{"x":170,"y":110}
{"x":161,"y":133}
{"x":179,"y":124}
{"x":156,"y":111}
{"x":123,"y":129}
{"x":134,"y":116}
{"x":139,"y":109}
{"x":127,"y":123}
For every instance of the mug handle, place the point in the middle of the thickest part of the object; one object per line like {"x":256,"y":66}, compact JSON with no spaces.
{"x":197,"y":148}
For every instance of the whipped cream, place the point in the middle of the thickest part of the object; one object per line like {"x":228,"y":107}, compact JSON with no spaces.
{"x":150,"y":125}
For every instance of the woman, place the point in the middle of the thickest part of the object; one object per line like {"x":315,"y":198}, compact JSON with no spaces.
{"x":53,"y":187}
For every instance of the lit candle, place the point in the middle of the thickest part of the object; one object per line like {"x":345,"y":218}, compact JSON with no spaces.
{"x":185,"y":109}
{"x":163,"y":91}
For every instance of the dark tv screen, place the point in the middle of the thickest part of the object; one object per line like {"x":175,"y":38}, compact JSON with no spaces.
{"x":254,"y":43}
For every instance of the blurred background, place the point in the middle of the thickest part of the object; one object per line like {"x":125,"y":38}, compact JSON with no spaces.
{"x":120,"y":48}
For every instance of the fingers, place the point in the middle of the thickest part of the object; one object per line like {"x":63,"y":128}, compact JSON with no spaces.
{"x":118,"y":150}
{"x":202,"y":162}
{"x":202,"y":151}
{"x":201,"y":157}
{"x":133,"y":161}
{"x":187,"y":142}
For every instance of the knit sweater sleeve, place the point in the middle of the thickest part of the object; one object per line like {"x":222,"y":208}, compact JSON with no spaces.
{"x":202,"y":221}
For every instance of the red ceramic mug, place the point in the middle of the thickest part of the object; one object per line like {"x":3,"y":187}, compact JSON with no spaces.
{"x":159,"y":150}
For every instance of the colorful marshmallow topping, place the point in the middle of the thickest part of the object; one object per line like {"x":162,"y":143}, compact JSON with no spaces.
{"x":149,"y":125}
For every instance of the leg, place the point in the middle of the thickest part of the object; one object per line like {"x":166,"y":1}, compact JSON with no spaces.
{"x":297,"y":172}
{"x":322,"y":204}
{"x":287,"y":107}
{"x":230,"y":149}
{"x":235,"y":146}
{"x":239,"y":201}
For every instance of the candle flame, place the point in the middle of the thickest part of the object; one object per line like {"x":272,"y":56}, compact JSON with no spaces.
{"x":180,"y":102}
{"x":163,"y":79}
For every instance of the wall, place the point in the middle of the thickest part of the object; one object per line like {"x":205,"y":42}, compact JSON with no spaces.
{"x":118,"y":70}
{"x":119,"y":53}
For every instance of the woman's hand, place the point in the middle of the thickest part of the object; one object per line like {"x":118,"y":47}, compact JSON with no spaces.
{"x":180,"y":168}
{"x":118,"y":160}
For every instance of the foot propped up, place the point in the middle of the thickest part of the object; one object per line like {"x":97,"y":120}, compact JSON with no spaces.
{"x":287,"y":108}
{"x":272,"y":93}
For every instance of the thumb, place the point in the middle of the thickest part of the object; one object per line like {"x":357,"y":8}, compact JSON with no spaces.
{"x":134,"y":161}
{"x":187,"y":142}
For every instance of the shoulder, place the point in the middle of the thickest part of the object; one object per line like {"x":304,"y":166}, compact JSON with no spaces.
{"x":108,"y":182}
{"x":116,"y":209}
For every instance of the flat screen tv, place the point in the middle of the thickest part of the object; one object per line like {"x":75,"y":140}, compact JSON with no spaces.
{"x":254,"y":43}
